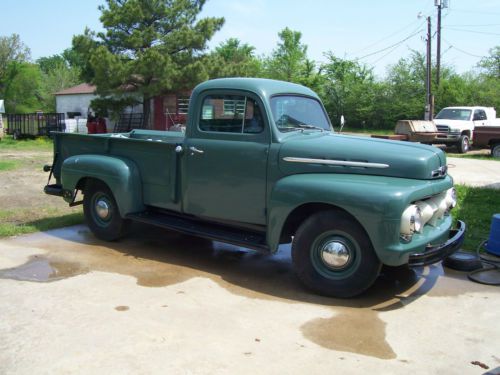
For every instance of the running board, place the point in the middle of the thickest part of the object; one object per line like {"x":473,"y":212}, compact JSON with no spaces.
{"x":212,"y":231}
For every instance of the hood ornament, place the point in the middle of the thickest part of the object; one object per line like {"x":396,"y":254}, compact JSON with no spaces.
{"x":440,"y":172}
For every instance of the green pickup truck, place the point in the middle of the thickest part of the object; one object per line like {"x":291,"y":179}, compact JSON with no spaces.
{"x":258,"y":166}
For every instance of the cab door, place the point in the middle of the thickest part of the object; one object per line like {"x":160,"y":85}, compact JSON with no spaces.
{"x":225,"y":158}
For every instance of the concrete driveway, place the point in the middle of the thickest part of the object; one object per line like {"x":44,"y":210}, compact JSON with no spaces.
{"x":160,"y":302}
{"x":475,"y":172}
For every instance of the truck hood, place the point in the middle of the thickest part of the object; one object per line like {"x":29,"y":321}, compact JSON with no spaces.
{"x":451,"y":123}
{"x":314,"y":152}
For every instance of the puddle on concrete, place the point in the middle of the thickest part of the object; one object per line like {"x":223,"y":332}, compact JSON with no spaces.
{"x":355,"y":330}
{"x":159,"y":258}
{"x":41,"y":269}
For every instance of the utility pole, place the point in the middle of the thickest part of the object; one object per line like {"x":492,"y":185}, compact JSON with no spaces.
{"x":429,"y":110}
{"x":438,"y":52}
{"x":440,"y":5}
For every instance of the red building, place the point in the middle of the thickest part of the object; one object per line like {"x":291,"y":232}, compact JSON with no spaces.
{"x":170,"y":109}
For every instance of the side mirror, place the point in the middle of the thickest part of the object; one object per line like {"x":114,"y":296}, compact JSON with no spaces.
{"x":342,"y":123}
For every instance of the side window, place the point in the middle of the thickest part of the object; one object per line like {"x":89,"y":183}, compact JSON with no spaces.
{"x":479,"y":115}
{"x":231,"y":114}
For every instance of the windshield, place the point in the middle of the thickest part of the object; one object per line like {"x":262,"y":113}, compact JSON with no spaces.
{"x":454,"y":114}
{"x":298,"y":112}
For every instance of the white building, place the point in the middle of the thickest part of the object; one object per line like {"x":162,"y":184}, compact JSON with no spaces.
{"x":75,"y":101}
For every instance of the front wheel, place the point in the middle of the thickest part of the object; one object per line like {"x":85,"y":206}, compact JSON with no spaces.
{"x":495,"y":151}
{"x":463,"y":144}
{"x":332,"y":255}
{"x":101,"y":212}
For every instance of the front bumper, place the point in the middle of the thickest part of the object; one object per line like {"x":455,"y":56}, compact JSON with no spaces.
{"x":434,"y":254}
{"x":448,"y":137}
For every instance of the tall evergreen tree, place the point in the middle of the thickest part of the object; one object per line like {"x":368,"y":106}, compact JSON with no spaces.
{"x":148,"y":47}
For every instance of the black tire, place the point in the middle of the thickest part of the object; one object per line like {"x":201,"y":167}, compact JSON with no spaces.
{"x":335,"y":230}
{"x":463,"y":144}
{"x":462,"y":261}
{"x":101,"y":212}
{"x":495,"y":151}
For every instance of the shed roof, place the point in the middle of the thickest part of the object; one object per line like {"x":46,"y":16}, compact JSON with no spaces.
{"x":83,"y":88}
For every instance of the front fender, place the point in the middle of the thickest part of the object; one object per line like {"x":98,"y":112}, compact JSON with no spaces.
{"x":121,"y":175}
{"x":376,"y":202}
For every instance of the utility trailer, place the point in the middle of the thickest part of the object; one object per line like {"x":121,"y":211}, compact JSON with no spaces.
{"x":30,"y":125}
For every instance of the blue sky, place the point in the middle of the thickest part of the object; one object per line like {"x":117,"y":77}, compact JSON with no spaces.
{"x":350,"y":29}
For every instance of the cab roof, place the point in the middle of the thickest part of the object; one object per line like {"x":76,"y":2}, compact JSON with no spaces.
{"x":262,"y":87}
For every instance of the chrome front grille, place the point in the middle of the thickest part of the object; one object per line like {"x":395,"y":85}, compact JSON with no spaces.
{"x":443,"y":128}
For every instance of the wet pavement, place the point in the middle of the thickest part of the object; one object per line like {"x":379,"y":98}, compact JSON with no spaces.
{"x":158,"y":301}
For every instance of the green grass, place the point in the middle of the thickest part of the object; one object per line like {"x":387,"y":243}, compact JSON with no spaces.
{"x":475,"y":207}
{"x":13,"y":228}
{"x":36,"y":144}
{"x":8,"y":165}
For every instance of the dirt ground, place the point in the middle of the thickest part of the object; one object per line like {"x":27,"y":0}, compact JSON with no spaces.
{"x":22,"y":199}
{"x":22,"y":187}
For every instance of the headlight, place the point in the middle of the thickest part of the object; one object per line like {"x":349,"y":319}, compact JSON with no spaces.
{"x":455,"y":130}
{"x":411,"y":220}
{"x":451,"y":198}
{"x":427,"y":210}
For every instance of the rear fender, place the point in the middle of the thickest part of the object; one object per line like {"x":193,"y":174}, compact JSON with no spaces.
{"x":119,"y":174}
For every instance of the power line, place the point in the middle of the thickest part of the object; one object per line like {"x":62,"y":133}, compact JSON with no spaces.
{"x":461,"y":50}
{"x":385,"y":38}
{"x":471,"y":31}
{"x":386,"y":54}
{"x":476,"y":25}
{"x":391,"y":46}
{"x":477,"y":12}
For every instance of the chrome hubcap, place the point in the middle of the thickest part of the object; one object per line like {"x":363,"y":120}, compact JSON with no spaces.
{"x":102,"y":208}
{"x":335,"y":254}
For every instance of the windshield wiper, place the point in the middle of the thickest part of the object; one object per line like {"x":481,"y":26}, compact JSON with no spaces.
{"x":307,"y":126}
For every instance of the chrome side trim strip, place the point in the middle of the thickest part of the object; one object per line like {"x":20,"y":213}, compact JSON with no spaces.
{"x":342,"y":163}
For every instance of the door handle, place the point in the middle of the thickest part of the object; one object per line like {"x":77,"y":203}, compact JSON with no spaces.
{"x":195,"y":150}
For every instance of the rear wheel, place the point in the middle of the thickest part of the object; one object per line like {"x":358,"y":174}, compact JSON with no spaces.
{"x":333,"y":256}
{"x":463,"y":144}
{"x":101,"y":212}
{"x":495,"y":150}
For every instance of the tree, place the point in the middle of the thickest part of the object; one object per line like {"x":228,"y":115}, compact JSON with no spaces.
{"x":289,"y":62}
{"x":348,"y":89}
{"x":12,"y":49}
{"x":148,"y":47}
{"x":21,"y":89}
{"x":233,"y":59}
{"x":491,"y":64}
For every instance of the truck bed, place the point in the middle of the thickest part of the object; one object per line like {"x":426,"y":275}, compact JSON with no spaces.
{"x":151,"y":150}
{"x":485,"y":136}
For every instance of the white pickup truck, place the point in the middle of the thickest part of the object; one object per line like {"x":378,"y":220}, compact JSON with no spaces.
{"x":456,"y":124}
